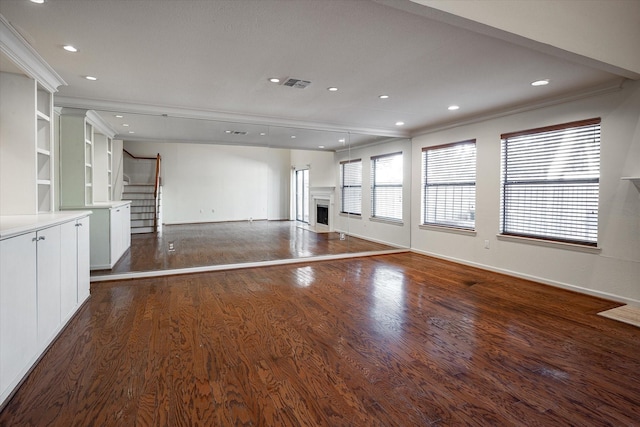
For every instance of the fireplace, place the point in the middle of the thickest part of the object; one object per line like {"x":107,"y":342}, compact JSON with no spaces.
{"x":321,"y":209}
{"x":322,"y":214}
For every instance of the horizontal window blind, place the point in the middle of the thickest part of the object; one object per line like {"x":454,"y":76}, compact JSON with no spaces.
{"x":550,"y":182}
{"x":386,"y":178}
{"x":449,"y":185}
{"x":351,"y":186}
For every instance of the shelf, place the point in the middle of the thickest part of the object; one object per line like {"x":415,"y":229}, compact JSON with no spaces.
{"x":88,"y":184}
{"x":43,"y":151}
{"x":634,"y":179}
{"x":43,"y":116}
{"x":44,"y":182}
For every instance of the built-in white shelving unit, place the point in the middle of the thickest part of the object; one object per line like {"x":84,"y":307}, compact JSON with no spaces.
{"x":85,"y":159}
{"x":634,"y":179}
{"x":27,"y":84}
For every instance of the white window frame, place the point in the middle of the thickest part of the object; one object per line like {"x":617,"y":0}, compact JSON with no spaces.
{"x":387,"y":187}
{"x":551,"y":183}
{"x":351,"y":190}
{"x":449,"y":185}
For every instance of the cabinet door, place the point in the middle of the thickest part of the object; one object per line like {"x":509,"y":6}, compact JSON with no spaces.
{"x":115,"y":237}
{"x":48,"y":280}
{"x":83,"y":243}
{"x":68,"y":269}
{"x":18,"y":309}
{"x":126,"y":228}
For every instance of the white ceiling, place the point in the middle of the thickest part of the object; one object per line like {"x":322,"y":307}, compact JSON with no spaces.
{"x":187,"y":70}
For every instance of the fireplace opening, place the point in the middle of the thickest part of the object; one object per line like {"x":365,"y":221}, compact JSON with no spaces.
{"x":322,"y":214}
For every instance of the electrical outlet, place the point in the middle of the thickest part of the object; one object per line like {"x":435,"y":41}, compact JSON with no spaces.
{"x":342,"y":236}
{"x":486,"y":244}
{"x":172,"y":247}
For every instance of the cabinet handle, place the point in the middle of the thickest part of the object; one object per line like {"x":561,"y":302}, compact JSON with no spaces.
{"x":41,"y":238}
{"x":79,"y":224}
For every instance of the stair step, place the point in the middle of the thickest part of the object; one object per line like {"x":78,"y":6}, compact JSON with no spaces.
{"x":141,"y":230}
{"x":142,"y":223}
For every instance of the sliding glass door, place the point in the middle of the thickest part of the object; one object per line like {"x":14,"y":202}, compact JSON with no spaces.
{"x":302,"y":195}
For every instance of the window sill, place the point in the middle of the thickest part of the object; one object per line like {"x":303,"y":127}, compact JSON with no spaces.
{"x":354,"y":216}
{"x":446,"y":229}
{"x":550,"y":244}
{"x":387,"y":221}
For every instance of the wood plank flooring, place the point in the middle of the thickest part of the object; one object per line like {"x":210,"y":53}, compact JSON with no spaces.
{"x":391,"y":340}
{"x":224,"y":243}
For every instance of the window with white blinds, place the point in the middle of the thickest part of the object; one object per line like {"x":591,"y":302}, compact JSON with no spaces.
{"x":550,"y":182}
{"x":449,"y":185}
{"x":386,"y":187}
{"x":351,"y":186}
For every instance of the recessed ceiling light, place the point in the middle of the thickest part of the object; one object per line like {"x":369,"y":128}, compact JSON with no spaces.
{"x":383,"y":96}
{"x":453,"y":107}
{"x":399,"y":123}
{"x":332,"y":89}
{"x":91,"y":78}
{"x":131,"y":131}
{"x":37,"y":1}
{"x":119,"y":116}
{"x":263,"y":133}
{"x":293,"y":137}
{"x":274,"y":80}
{"x":69,"y":48}
{"x":342,"y":140}
{"x":125,"y":125}
{"x":540,"y":82}
{"x":227,"y":131}
{"x":320,"y":146}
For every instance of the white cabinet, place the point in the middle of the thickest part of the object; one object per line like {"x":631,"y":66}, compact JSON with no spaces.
{"x":83,"y":261}
{"x":110,"y":233}
{"x":48,"y":281}
{"x":18,"y":313}
{"x":42,"y":272}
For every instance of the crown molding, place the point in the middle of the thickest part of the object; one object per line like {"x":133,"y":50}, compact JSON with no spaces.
{"x":186,"y":113}
{"x":94,"y":118}
{"x":25,"y":57}
{"x":610,"y":87}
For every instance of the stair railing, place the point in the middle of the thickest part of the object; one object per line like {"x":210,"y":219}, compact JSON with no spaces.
{"x":156,"y":190}
{"x":156,"y":186}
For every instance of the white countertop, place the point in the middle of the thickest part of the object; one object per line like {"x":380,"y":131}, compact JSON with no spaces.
{"x":13,"y":225}
{"x":102,"y":205}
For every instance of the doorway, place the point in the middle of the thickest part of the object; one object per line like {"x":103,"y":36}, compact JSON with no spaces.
{"x":302,"y":195}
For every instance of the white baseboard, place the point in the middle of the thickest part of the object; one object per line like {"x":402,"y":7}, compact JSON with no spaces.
{"x":567,"y":286}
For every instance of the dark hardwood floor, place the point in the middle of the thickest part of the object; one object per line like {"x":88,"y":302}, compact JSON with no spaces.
{"x":226,"y":243}
{"x":391,"y":340}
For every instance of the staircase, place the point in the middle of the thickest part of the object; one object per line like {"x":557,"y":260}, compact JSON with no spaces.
{"x":142,"y":207}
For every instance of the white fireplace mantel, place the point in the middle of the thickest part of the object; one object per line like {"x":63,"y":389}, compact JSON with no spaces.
{"x":321,"y":196}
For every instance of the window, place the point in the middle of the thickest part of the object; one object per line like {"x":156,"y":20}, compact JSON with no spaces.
{"x":351,"y":186}
{"x":449,"y":185}
{"x":386,"y":194}
{"x":302,"y":195}
{"x":550,"y":182}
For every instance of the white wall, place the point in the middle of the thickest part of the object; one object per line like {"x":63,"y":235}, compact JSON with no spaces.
{"x":209,"y":183}
{"x":614,"y":272}
{"x":322,"y":172}
{"x":364,"y":226}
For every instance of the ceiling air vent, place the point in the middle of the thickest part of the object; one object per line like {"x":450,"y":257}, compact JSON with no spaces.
{"x":297,"y":83}
{"x":235,"y":132}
